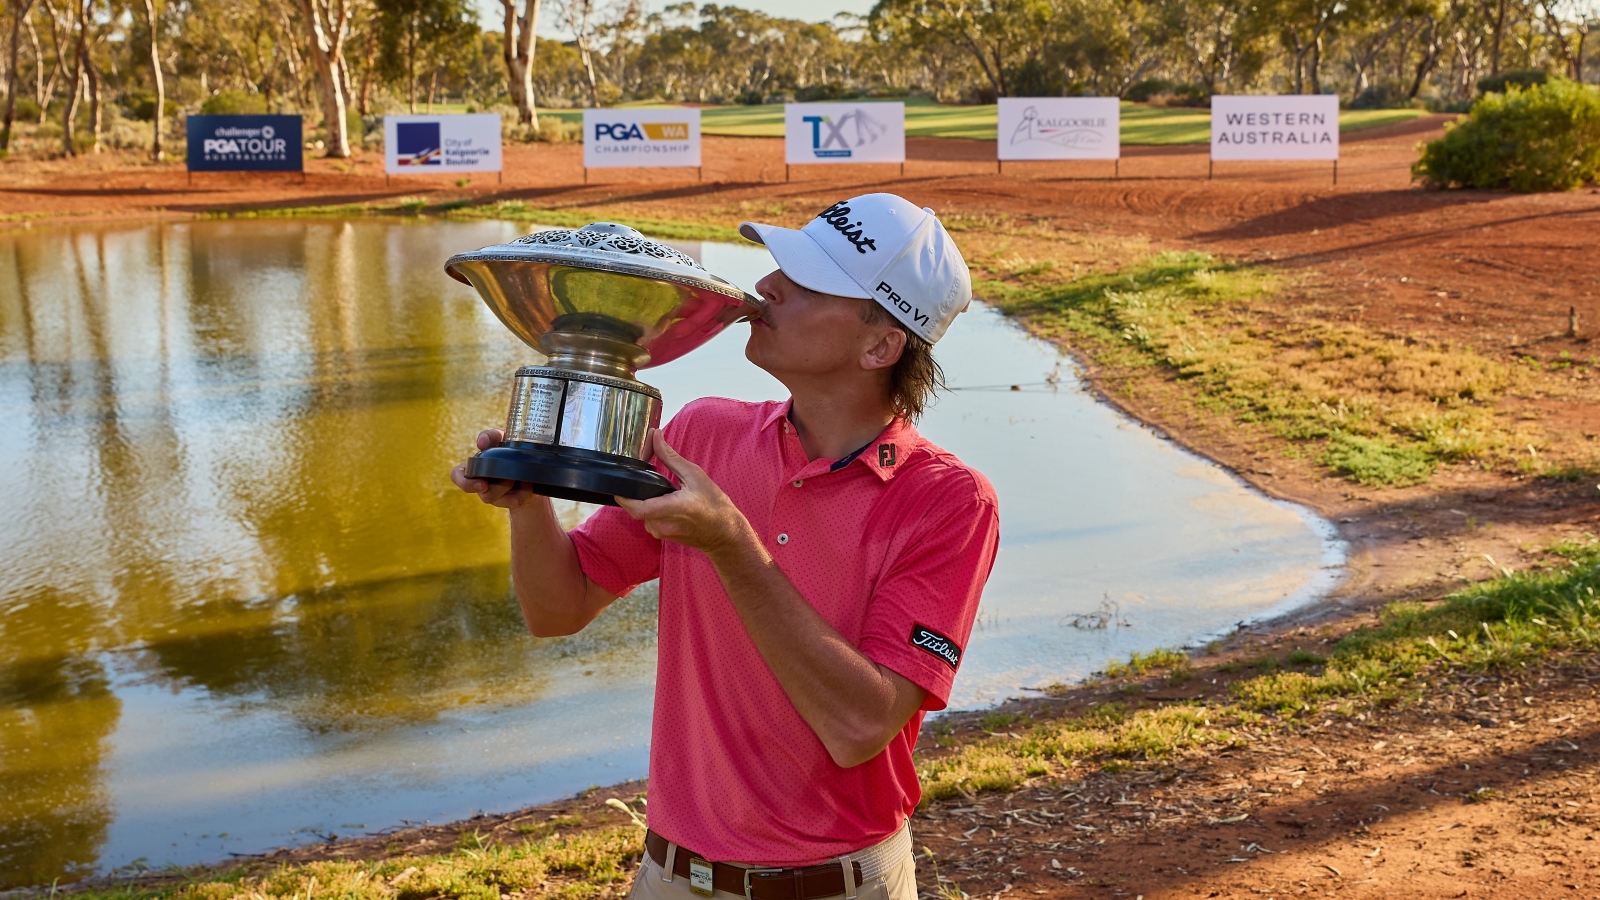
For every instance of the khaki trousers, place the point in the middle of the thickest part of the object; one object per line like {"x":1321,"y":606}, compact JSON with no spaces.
{"x":898,"y":882}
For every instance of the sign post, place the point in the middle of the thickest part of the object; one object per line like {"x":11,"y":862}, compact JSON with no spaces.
{"x":824,"y":133}
{"x":1060,"y":128}
{"x":422,"y":145}
{"x":1293,"y":126}
{"x":664,"y":137}
{"x":244,"y":144}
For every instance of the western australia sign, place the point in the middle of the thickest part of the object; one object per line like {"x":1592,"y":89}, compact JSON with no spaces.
{"x":244,"y":144}
{"x":614,"y":138}
{"x":1275,"y":127}
{"x":1060,"y":128}
{"x":418,"y":145}
{"x":844,"y":132}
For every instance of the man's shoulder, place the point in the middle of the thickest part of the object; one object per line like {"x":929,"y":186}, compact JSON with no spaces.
{"x":942,"y":479}
{"x":713,"y":419}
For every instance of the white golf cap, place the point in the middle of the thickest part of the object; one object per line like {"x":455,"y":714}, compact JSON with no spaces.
{"x":879,"y":247}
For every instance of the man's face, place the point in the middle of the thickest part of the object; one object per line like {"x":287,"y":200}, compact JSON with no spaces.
{"x":805,"y":334}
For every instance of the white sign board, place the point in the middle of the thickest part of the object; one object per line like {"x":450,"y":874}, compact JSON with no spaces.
{"x":1292,"y":126}
{"x":1060,"y":128}
{"x":641,"y":137}
{"x":844,"y":133}
{"x":419,"y":145}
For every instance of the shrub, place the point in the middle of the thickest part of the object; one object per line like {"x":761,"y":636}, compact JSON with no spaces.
{"x":1142,"y":91}
{"x":1544,"y":138}
{"x":1497,"y":84}
{"x":141,"y":105}
{"x":234,"y":103}
{"x":1386,"y":95}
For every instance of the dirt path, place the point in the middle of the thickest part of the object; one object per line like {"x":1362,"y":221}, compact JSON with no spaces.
{"x":1374,"y":808}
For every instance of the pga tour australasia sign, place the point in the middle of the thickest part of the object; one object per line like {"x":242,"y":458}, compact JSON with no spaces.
{"x":244,"y":144}
{"x":641,"y":137}
{"x":420,"y":145}
{"x":844,"y":133}
{"x":1292,"y":126}
{"x":1060,"y":128}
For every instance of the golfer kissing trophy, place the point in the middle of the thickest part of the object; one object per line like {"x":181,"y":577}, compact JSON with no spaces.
{"x":600,"y":303}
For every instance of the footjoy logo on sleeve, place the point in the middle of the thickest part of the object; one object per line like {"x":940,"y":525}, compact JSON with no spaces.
{"x":838,"y":215}
{"x":932,"y":641}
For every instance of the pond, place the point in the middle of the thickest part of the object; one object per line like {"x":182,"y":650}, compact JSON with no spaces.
{"x":241,"y":606}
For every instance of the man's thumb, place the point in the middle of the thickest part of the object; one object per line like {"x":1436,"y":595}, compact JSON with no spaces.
{"x":671,"y":458}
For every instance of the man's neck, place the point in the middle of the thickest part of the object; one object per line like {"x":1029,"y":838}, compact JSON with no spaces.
{"x":834,"y":424}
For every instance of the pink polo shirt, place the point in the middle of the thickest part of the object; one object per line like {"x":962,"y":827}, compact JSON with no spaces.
{"x":892,"y":549}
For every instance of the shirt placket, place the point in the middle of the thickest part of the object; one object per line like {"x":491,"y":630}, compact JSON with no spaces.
{"x":782,"y":539}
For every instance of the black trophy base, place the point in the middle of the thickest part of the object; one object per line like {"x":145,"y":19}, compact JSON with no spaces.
{"x":569,"y":474}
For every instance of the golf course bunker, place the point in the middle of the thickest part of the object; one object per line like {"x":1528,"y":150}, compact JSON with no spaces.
{"x":243,"y":607}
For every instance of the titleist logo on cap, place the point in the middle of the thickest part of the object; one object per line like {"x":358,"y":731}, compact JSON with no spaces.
{"x":838,"y":215}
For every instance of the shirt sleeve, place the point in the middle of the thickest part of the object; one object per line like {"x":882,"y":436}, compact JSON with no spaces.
{"x":614,"y":549}
{"x":921,"y":613}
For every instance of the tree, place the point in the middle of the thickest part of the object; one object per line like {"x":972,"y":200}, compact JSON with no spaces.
{"x":519,"y":48}
{"x":1001,"y":35}
{"x":152,"y":17}
{"x":328,"y":22}
{"x":81,"y":10}
{"x":426,"y":29}
{"x":19,"y":20}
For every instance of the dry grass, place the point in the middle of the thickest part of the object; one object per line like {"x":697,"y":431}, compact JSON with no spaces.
{"x":1377,"y":409}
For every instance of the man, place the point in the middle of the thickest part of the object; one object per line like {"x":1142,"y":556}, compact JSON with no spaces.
{"x":820,"y":568}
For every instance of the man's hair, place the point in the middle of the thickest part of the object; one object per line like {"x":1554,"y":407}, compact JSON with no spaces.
{"x":916,"y":376}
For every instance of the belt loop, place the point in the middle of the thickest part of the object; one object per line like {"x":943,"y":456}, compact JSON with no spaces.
{"x":849,"y":877}
{"x":672,"y":860}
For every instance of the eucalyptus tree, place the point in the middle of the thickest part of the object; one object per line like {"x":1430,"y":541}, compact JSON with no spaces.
{"x":1002,"y":36}
{"x":518,"y":51}
{"x":19,"y":10}
{"x":433,"y":31}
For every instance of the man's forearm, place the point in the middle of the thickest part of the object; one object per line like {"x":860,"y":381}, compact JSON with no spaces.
{"x":853,"y":705}
{"x":555,"y":596}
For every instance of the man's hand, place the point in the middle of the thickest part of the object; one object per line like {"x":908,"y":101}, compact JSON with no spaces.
{"x":697,"y":515}
{"x":504,"y":494}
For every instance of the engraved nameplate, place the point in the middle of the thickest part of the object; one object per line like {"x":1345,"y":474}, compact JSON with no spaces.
{"x":535,"y":406}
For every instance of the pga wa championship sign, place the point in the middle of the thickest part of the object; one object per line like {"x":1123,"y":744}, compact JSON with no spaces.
{"x":1290,"y":126}
{"x":244,"y":144}
{"x":613,"y":138}
{"x":844,"y":133}
{"x":1060,"y":128}
{"x":419,"y":145}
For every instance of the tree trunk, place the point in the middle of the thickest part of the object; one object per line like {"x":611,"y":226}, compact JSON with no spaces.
{"x":1498,"y":34}
{"x":364,"y":103}
{"x":92,"y":77}
{"x":153,"y":17}
{"x":411,"y":65}
{"x":518,"y":46}
{"x":79,"y":58}
{"x":40,"y":97}
{"x":23,"y":7}
{"x":1315,"y":66}
{"x":328,"y":22}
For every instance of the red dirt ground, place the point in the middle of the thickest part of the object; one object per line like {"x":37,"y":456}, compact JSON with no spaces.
{"x":1372,"y":810}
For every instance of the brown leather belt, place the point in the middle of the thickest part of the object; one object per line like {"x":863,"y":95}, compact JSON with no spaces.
{"x":809,"y":883}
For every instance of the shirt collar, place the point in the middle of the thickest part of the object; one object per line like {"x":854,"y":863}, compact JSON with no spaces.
{"x":883,"y":457}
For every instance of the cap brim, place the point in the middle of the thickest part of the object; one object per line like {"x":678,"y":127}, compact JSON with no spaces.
{"x":804,"y":260}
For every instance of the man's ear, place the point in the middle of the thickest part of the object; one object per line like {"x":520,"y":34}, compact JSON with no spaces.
{"x":885,"y":351}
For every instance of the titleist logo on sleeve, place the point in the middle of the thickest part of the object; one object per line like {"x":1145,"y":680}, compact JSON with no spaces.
{"x":926,"y":638}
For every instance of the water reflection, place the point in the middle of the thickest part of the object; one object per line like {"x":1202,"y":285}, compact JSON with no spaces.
{"x":222,"y":448}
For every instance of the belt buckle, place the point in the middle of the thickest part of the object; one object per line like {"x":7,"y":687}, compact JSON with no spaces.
{"x":700,"y":876}
{"x":756,"y":871}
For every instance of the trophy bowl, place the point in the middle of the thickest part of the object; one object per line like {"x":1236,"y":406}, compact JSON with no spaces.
{"x":600,"y":303}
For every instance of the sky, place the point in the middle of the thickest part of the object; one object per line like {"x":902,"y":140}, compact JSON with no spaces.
{"x":492,"y":14}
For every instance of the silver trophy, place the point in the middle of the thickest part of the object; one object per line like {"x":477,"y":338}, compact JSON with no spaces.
{"x":600,"y":303}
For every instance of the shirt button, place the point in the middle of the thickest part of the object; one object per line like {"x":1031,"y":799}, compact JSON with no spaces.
{"x":783,"y":539}
{"x":799,"y":481}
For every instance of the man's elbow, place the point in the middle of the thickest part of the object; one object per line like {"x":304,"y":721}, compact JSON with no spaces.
{"x":540,"y":629}
{"x":853,"y":749}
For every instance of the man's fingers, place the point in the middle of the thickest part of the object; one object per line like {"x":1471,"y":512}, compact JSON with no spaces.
{"x":490,"y":437}
{"x":674,"y":460}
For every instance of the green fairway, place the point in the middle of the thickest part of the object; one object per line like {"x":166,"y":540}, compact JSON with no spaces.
{"x":1141,"y":124}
